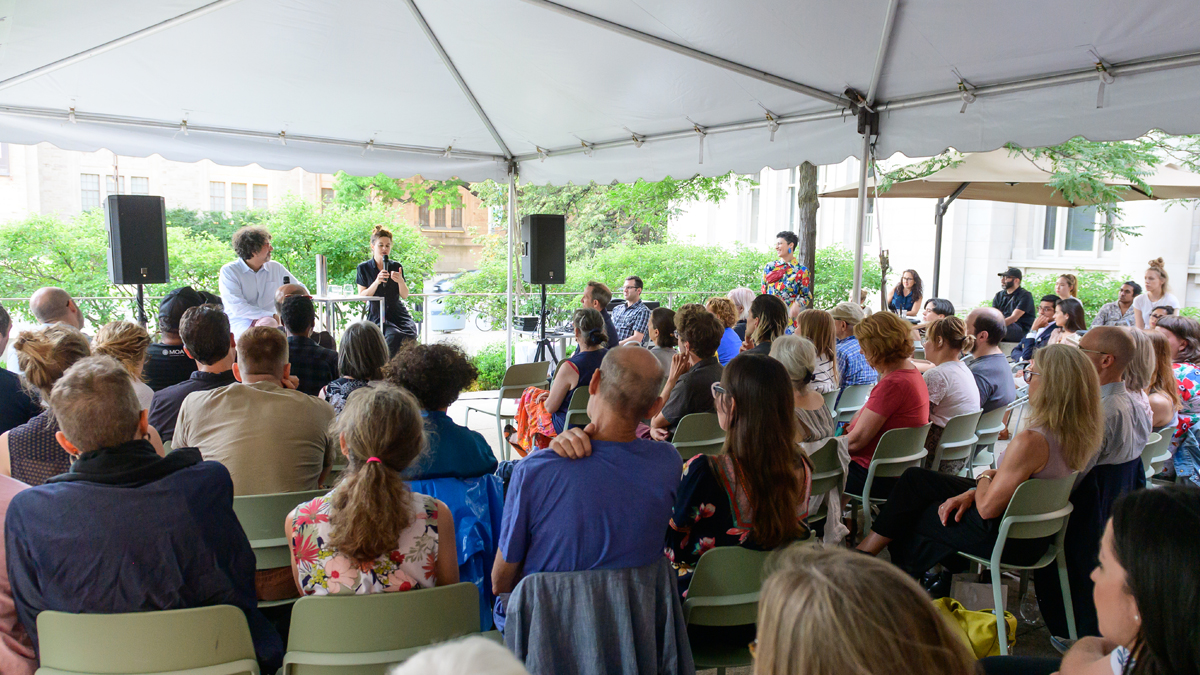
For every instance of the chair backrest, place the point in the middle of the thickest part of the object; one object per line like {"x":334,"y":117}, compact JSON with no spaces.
{"x":1038,"y":508}
{"x":899,"y":449}
{"x":1008,"y":347}
{"x":1157,"y":451}
{"x":577,"y":408}
{"x":699,"y":432}
{"x":827,"y":468}
{"x":522,"y":375}
{"x":725,"y":586}
{"x":262,"y":519}
{"x":990,"y":425}
{"x":214,"y":640}
{"x":958,"y":439}
{"x":853,"y":398}
{"x":831,"y":398}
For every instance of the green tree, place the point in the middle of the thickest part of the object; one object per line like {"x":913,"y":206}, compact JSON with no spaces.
{"x":220,"y":225}
{"x":357,"y":192}
{"x":1095,"y":288}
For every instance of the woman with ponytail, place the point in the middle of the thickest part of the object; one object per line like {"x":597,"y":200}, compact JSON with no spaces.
{"x":380,"y":276}
{"x":1156,"y":294}
{"x":755,"y":493}
{"x":951,"y":385}
{"x":372,"y":534}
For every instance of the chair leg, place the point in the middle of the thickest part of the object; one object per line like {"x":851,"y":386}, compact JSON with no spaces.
{"x":500,"y":435}
{"x":1065,"y":582}
{"x":1024,"y":588}
{"x":1001,"y":623}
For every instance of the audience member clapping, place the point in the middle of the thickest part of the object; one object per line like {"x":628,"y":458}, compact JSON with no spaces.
{"x":830,"y":612}
{"x":128,"y":343}
{"x":799,"y":357}
{"x":952,"y":390}
{"x":759,"y":470}
{"x":741,"y":297}
{"x":662,"y":336}
{"x":817,"y":326}
{"x":17,"y":406}
{"x":127,"y":530}
{"x":931,"y":516}
{"x":436,"y":375}
{"x":372,"y":534}
{"x":768,"y":320}
{"x":693,"y":370}
{"x":313,"y":365}
{"x":1070,"y":322}
{"x":731,"y":344}
{"x":207,"y":339}
{"x":361,"y":357}
{"x":30,"y":453}
{"x":900,"y":399}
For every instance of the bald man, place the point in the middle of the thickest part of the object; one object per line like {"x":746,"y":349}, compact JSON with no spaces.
{"x":54,"y":305}
{"x":555,"y":502}
{"x":322,"y":337}
{"x":1126,"y":422}
{"x":992,"y":371}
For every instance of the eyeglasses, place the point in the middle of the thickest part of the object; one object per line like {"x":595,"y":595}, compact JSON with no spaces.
{"x":1028,"y":373}
{"x":1094,"y":351}
{"x":718,"y":390}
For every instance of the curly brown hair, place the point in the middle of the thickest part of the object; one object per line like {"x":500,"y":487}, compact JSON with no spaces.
{"x":724,"y":310}
{"x":700,"y":329}
{"x":436,"y":374}
{"x":249,"y":240}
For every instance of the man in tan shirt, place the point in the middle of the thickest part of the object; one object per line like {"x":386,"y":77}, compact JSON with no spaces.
{"x":270,"y":436}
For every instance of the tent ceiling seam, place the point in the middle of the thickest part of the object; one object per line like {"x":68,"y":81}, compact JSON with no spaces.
{"x":692,"y":53}
{"x":437,"y":45}
{"x":113,"y":44}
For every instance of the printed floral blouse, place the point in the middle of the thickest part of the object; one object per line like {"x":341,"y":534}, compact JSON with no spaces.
{"x":790,"y":282}
{"x":324,"y":571}
{"x":712,"y":509}
{"x":1188,"y":377}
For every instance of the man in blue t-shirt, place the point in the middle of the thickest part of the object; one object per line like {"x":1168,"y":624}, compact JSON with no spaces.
{"x":598,"y":497}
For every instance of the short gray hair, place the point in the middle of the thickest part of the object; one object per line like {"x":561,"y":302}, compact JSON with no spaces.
{"x":798,"y":356}
{"x":630,"y":386}
{"x":95,"y":404}
{"x":363,"y":352}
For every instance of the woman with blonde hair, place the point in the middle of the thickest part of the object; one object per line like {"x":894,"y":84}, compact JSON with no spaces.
{"x":731,"y":344}
{"x":951,"y":385}
{"x":768,"y":320}
{"x":831,"y":612}
{"x":1157,"y":293}
{"x":1139,"y":375}
{"x":128,"y":343}
{"x":814,"y":424}
{"x":30,"y":453}
{"x":371,"y":533}
{"x":741,"y":298}
{"x":1065,"y":429}
{"x":817,"y":326}
{"x":1066,"y":286}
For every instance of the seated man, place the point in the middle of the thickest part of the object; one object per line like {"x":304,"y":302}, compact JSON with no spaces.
{"x":853,"y":368}
{"x":322,"y":337}
{"x":16,"y":405}
{"x":992,"y":371}
{"x":1039,"y":335}
{"x":126,"y":530}
{"x":597,"y":296}
{"x":54,"y":305}
{"x":631,"y":319}
{"x":207,"y":339}
{"x":688,"y":388}
{"x":1015,"y":305}
{"x":1119,"y":312}
{"x":166,"y":361}
{"x":609,"y":508}
{"x":313,"y":364}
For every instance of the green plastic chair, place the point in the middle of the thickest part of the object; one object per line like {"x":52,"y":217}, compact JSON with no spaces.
{"x":199,"y":641}
{"x":1157,"y":452}
{"x":262,"y":518}
{"x":898,"y":450}
{"x":831,"y":398}
{"x":958,"y":440}
{"x":988,"y":430}
{"x":577,"y":409}
{"x":1008,"y":347}
{"x":827,"y":474}
{"x":699,"y":432}
{"x":517,"y":379}
{"x":1039,"y":508}
{"x":367,"y":634}
{"x":724,"y":592}
{"x":853,"y":399}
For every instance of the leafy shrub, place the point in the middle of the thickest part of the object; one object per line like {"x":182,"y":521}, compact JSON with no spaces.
{"x":489,"y":361}
{"x":1095,"y":288}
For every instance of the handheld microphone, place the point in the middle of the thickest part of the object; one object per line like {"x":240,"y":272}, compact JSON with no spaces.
{"x":387,"y":267}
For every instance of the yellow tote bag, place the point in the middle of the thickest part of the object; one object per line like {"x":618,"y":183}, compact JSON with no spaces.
{"x":977,"y":629}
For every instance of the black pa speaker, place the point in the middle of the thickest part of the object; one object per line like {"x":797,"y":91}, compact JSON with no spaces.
{"x":137,"y":239}
{"x":543,"y":249}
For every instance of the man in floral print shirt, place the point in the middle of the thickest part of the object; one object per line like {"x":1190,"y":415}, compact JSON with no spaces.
{"x":786,"y":278}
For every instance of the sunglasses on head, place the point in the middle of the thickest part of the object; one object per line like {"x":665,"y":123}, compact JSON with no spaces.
{"x":718,"y":390}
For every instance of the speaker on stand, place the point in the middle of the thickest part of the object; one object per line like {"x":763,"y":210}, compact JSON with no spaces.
{"x":137,"y":243}
{"x":543,"y":261}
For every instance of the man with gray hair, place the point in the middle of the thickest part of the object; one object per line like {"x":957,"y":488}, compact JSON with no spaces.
{"x":73,"y":540}
{"x":601,"y":477}
{"x":54,"y":305}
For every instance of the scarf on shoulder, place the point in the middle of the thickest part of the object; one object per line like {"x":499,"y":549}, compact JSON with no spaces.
{"x":131,"y":464}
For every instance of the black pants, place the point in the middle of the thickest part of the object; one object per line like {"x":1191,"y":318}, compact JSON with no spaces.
{"x":1017,"y":665}
{"x":1015,"y":333}
{"x":396,"y":337}
{"x":856,"y":480}
{"x":920,"y":541}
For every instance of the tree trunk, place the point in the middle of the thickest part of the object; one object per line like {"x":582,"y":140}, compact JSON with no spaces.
{"x":807,"y":205}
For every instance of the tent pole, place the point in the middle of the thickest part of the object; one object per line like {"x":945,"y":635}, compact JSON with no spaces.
{"x":856,"y":293}
{"x":512,"y":225}
{"x":939,"y":213}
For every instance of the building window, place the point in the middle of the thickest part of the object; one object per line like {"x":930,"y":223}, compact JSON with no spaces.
{"x":4,"y":170}
{"x":1081,"y":229}
{"x":326,"y":195}
{"x":456,"y":216}
{"x":260,"y":196}
{"x":90,"y":186}
{"x":139,"y":185}
{"x":1050,"y":232}
{"x":439,"y":217}
{"x":110,"y":186}
{"x":793,"y":187}
{"x":423,"y":216}
{"x":237,"y":196}
{"x":216,"y":197}
{"x":1078,"y":234}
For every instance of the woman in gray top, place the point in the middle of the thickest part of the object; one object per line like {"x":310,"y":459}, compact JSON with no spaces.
{"x":799,"y":358}
{"x":662,"y":336}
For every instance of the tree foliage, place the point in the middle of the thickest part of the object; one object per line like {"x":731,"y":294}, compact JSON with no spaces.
{"x":354,"y":192}
{"x":1095,"y":288}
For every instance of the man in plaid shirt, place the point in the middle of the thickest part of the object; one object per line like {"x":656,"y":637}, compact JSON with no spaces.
{"x":852,"y":365}
{"x":631,"y":318}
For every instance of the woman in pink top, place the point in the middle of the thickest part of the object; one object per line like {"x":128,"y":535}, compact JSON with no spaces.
{"x":16,"y":650}
{"x":931,"y":516}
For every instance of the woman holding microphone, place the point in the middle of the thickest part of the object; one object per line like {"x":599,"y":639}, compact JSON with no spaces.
{"x":382,"y":277}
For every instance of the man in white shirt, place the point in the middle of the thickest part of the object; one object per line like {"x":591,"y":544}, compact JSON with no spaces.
{"x":248,"y":284}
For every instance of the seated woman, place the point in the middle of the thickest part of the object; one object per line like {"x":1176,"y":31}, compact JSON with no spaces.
{"x":935,"y":308}
{"x":731,"y":344}
{"x":741,"y":297}
{"x":1163,"y":390}
{"x":900,"y":400}
{"x":128,"y":343}
{"x":1067,"y":286}
{"x":905,"y":298}
{"x":952,"y":388}
{"x":814,"y":424}
{"x":817,"y":326}
{"x":1070,"y":322}
{"x":759,"y":471}
{"x":361,"y":358}
{"x":831,"y":612}
{"x":30,"y":453}
{"x":1138,"y":374}
{"x":1183,"y":339}
{"x":371,"y":533}
{"x":930,"y":516}
{"x":768,"y":320}
{"x":662,"y":336}
{"x":436,"y":374}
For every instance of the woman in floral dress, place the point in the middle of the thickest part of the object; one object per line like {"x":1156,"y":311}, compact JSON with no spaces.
{"x":787,"y":279}
{"x":372,"y":534}
{"x":718,"y":502}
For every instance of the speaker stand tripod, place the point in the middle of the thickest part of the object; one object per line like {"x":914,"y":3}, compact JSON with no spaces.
{"x":544,"y":345}
{"x":141,"y":301}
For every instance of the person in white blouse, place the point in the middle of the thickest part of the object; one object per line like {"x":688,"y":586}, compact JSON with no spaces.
{"x":1156,"y":294}
{"x":248,"y":284}
{"x":952,"y":388}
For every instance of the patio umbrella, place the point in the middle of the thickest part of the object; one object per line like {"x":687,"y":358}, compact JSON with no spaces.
{"x":1001,"y":176}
